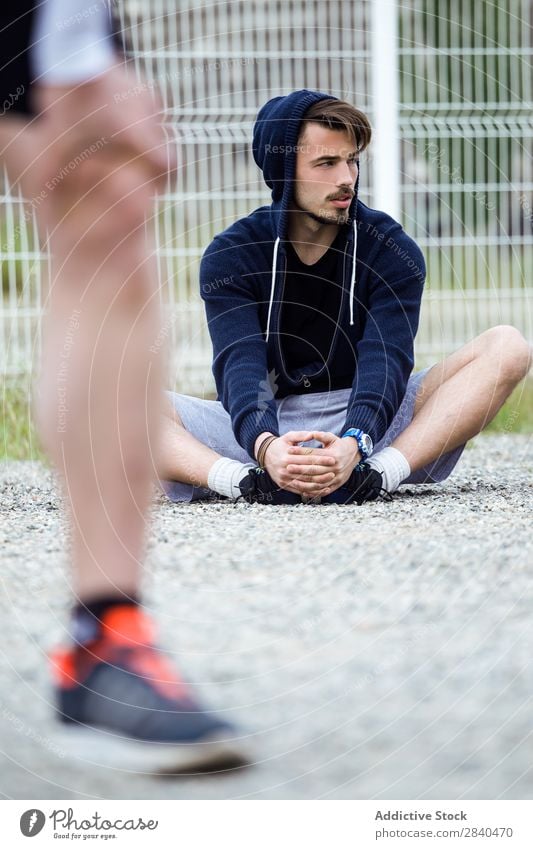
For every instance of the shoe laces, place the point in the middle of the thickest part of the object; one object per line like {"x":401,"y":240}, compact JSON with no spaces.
{"x":363,"y":484}
{"x":254,"y":479}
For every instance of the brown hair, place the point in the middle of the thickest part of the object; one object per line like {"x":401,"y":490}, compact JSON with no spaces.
{"x":342,"y":116}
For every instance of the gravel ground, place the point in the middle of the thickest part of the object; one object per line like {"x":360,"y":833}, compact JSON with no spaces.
{"x":374,"y":652}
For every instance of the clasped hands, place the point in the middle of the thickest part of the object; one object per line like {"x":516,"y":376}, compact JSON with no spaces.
{"x":310,"y":471}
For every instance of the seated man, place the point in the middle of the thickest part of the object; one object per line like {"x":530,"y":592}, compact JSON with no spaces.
{"x":313,"y":305}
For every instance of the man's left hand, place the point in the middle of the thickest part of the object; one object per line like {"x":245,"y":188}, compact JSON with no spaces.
{"x":345,"y":453}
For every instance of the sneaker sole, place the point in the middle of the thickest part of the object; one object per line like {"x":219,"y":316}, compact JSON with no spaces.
{"x":103,"y":748}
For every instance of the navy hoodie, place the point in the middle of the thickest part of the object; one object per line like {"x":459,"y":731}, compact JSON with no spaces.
{"x":242,"y":281}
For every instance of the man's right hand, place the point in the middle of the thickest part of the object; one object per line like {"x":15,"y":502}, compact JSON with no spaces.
{"x":315,"y":475}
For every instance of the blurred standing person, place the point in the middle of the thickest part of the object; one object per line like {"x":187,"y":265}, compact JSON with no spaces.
{"x":91,"y":161}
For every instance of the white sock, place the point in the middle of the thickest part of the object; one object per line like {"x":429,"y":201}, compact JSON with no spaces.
{"x":225,"y":475}
{"x":392,"y":465}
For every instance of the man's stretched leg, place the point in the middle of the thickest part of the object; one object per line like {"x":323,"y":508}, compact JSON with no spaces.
{"x":183,"y":457}
{"x":187,"y":462}
{"x":196,"y":441}
{"x":457,"y":399}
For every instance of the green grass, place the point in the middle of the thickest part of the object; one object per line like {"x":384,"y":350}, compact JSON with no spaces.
{"x":15,"y":270}
{"x":20,"y":442}
{"x":516,"y":415}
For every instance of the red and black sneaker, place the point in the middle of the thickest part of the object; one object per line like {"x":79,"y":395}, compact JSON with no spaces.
{"x":121,"y":702}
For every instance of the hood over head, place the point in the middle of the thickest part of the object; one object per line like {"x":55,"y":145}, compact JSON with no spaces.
{"x":275,"y":140}
{"x":276,"y":132}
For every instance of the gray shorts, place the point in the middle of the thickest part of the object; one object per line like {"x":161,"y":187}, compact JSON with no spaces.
{"x":209,"y":422}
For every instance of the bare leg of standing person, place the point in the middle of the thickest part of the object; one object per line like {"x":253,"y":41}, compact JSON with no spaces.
{"x":99,"y":408}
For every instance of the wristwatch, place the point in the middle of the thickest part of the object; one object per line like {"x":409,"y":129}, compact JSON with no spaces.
{"x":364,"y":441}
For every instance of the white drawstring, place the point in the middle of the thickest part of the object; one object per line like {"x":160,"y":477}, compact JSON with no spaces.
{"x":352,"y":283}
{"x":273,"y":281}
{"x":272,"y":285}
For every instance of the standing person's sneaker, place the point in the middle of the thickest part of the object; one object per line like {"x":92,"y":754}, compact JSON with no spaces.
{"x":364,"y":484}
{"x":259,"y":488}
{"x":120,"y":702}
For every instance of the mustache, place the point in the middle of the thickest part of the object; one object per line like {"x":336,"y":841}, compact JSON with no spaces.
{"x":348,"y":193}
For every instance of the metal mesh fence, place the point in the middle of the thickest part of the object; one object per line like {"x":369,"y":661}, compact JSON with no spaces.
{"x":466,"y":129}
{"x":465,"y":177}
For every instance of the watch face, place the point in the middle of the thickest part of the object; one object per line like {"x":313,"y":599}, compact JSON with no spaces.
{"x":367,"y":443}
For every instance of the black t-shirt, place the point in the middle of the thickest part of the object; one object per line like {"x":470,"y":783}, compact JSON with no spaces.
{"x":309,"y":315}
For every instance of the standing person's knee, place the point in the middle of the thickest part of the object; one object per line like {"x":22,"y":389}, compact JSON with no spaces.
{"x":129,"y":195}
{"x":119,"y":195}
{"x":108,"y":203}
{"x":108,"y":195}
